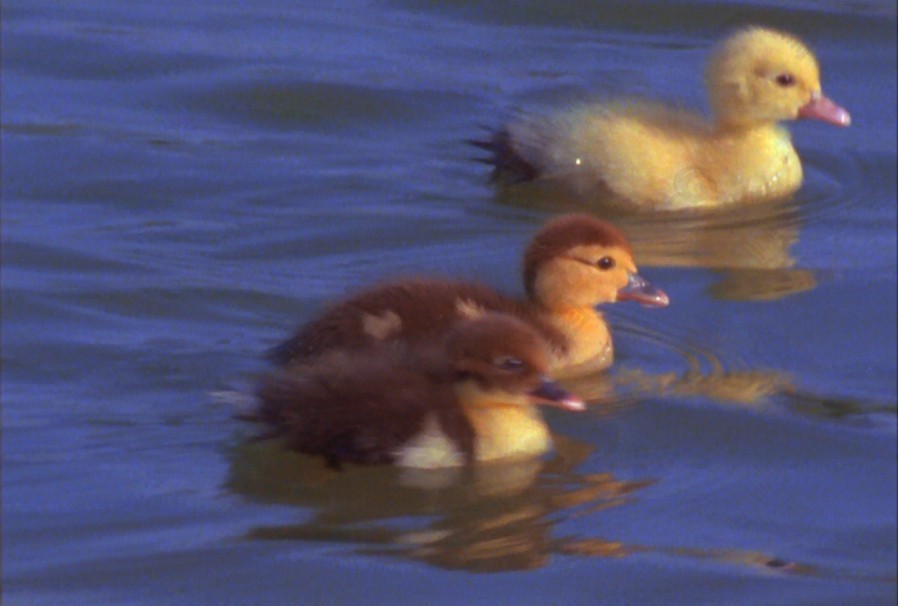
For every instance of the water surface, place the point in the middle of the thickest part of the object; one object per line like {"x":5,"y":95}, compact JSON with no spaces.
{"x":183,"y":183}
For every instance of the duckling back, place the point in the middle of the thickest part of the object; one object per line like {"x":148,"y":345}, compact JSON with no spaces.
{"x":412,"y":311}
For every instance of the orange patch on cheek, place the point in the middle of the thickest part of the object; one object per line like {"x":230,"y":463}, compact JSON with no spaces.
{"x":561,"y":286}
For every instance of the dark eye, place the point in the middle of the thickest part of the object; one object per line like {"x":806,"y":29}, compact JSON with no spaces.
{"x":605,"y":263}
{"x":785,"y":79}
{"x":508,"y":363}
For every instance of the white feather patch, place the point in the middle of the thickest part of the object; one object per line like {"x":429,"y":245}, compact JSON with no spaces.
{"x":467,"y":308}
{"x":430,"y":449}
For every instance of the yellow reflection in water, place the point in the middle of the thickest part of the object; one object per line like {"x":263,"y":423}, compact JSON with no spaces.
{"x":745,"y":387}
{"x":705,"y":376}
{"x":485,"y":518}
{"x":747,"y":244}
{"x":474,"y":519}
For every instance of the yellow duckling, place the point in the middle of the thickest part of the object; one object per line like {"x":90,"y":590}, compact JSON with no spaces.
{"x":655,"y":156}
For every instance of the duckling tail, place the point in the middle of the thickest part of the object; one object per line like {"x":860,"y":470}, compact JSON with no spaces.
{"x":508,"y":165}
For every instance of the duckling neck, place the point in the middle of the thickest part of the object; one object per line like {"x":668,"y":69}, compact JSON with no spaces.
{"x":590,"y":347}
{"x":744,"y":130}
{"x":752,"y":161}
{"x":503,"y":428}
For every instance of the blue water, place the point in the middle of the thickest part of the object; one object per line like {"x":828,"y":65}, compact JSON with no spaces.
{"x":184,"y":182}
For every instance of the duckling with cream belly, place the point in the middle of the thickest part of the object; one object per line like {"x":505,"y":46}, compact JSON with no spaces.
{"x":653,"y":156}
{"x":469,"y":400}
{"x":573,"y":264}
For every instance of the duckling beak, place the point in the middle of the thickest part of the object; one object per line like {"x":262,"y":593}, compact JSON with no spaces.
{"x":824,"y":109}
{"x":551,"y":393}
{"x":640,"y":290}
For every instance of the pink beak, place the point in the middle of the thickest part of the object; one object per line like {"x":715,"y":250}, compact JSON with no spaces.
{"x":824,"y":109}
{"x":551,"y":393}
{"x":638,"y":289}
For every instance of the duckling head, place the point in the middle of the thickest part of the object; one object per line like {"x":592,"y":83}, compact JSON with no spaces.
{"x":497,"y":358}
{"x":579,"y":261}
{"x":759,"y":76}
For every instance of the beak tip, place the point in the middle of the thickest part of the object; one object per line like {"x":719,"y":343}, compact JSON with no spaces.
{"x":573,"y":403}
{"x":551,"y":393}
{"x":826,"y":110}
{"x":638,"y":289}
{"x":660,"y":300}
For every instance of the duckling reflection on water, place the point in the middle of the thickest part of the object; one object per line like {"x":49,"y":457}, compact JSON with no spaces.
{"x":652,"y":156}
{"x":573,"y":264}
{"x":471,"y":524}
{"x":469,"y":399}
{"x":692,"y":370}
{"x":751,"y":251}
{"x":493,"y":517}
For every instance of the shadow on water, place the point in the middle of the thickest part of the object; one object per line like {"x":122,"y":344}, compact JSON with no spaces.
{"x":493,"y":518}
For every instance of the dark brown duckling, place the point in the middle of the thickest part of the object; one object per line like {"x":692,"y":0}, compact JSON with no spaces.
{"x":468,"y":399}
{"x":574,"y":263}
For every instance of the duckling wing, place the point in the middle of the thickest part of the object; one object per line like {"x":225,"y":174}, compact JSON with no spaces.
{"x":631,"y":148}
{"x":409,"y":311}
{"x":359,"y":409}
{"x":342,"y":325}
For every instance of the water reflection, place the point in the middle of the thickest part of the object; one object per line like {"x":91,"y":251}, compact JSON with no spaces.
{"x":750,"y":388}
{"x":859,"y":412}
{"x":702,"y":373}
{"x":679,"y":369}
{"x":748,"y":247}
{"x":740,"y":557}
{"x":487,"y":518}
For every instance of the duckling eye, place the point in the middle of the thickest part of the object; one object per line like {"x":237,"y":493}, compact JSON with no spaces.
{"x":785,"y":79}
{"x":508,"y":363}
{"x":605,"y":263}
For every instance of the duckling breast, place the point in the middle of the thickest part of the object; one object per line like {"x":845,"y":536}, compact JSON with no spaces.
{"x":759,"y":164}
{"x":508,"y":433}
{"x":589,"y":341}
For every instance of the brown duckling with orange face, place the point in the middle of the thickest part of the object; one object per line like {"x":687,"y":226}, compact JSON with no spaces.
{"x":467,"y":399}
{"x":573,"y":264}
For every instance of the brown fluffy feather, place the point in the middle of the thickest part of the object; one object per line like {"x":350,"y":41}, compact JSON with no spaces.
{"x":426,"y":307}
{"x":359,"y":407}
{"x":366,"y":406}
